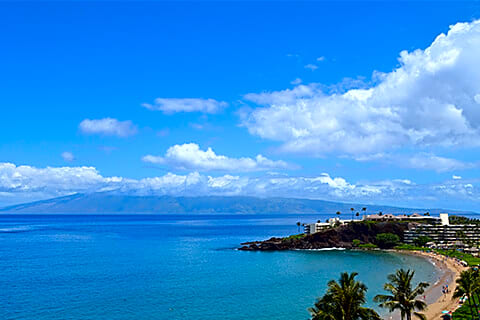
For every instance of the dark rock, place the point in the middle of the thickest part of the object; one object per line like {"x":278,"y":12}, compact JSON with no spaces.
{"x":339,"y":237}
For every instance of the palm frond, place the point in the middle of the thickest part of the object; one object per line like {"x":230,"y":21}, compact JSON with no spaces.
{"x":420,"y":316}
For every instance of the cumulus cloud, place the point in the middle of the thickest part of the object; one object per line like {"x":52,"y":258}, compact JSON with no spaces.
{"x":322,"y":58}
{"x":311,"y":67}
{"x":189,"y":156}
{"x":28,"y":183}
{"x":174,"y":105}
{"x":108,"y":127}
{"x":68,"y":156}
{"x":431,"y":99}
{"x":55,"y":180}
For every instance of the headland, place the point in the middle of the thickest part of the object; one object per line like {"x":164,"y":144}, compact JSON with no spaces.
{"x":450,"y":247}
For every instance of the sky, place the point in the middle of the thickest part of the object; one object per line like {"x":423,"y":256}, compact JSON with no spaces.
{"x":371,"y":102}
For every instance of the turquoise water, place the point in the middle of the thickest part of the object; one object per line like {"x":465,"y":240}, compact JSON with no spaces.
{"x":170,"y":267}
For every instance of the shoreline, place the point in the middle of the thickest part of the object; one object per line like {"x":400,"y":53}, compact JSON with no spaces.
{"x":437,"y":302}
{"x":449,"y":270}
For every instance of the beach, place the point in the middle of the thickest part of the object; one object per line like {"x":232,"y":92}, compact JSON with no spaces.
{"x":437,"y":302}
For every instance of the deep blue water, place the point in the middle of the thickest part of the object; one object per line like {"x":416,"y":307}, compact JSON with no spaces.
{"x":170,"y":267}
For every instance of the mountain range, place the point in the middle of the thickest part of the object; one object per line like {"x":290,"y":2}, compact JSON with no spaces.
{"x":106,"y":203}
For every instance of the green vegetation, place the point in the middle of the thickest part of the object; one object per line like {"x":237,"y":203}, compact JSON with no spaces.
{"x":368,"y":223}
{"x":422,"y":241}
{"x":402,"y":296}
{"x":295,"y":236}
{"x":468,"y":258}
{"x":367,"y":246}
{"x":387,"y":240}
{"x":464,"y":312}
{"x":356,"y":243}
{"x":410,"y":247}
{"x":468,"y":284}
{"x":462,"y":220}
{"x":344,"y":300}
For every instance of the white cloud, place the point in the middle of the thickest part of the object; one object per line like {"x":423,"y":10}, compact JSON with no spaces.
{"x":27,"y":183}
{"x":56,"y":180}
{"x":285,"y":97}
{"x":454,"y":177}
{"x":189,"y":156}
{"x":322,"y":58}
{"x":174,"y":105}
{"x":430,"y":100}
{"x":311,"y":67}
{"x":477,"y":98}
{"x":433,"y":162}
{"x":422,"y":160}
{"x":296,"y":81}
{"x":68,"y":156}
{"x":108,"y":127}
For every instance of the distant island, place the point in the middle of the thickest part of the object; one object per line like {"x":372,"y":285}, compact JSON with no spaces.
{"x":109,"y":203}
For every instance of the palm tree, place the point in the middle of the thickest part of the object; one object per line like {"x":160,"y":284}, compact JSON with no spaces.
{"x":298,"y":226}
{"x":468,"y":284}
{"x":364,"y":210}
{"x":402,"y":296}
{"x":357,"y":214}
{"x":343,"y":300}
{"x":352,"y":209}
{"x":338,"y":213}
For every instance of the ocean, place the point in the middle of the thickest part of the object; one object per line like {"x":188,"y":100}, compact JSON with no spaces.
{"x":171,"y":267}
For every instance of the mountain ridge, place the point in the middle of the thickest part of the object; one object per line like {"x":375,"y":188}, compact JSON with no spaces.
{"x":106,"y":203}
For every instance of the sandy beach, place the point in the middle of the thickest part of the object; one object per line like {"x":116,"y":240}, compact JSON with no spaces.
{"x":437,"y":302}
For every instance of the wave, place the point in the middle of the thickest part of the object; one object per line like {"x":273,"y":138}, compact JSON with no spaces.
{"x":322,"y":249}
{"x":17,"y":229}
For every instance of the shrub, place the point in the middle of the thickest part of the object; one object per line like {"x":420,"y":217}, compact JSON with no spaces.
{"x":422,"y":240}
{"x":295,"y":236}
{"x":464,"y":312}
{"x":387,"y":240}
{"x":356,"y":243}
{"x":409,"y":247}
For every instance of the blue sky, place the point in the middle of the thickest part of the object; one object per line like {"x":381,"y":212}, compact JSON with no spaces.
{"x":130,"y":96}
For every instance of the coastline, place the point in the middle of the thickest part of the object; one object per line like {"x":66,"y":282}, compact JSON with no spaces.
{"x":449,"y":272}
{"x":335,"y":238}
{"x":448,"y":269}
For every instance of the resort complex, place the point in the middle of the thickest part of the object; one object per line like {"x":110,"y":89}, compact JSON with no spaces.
{"x":440,"y":233}
{"x":450,"y":243}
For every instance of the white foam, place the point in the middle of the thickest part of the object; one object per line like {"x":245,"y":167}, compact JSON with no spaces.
{"x":16,"y":229}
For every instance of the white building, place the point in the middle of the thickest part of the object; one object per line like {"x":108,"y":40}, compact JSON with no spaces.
{"x":311,"y":228}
